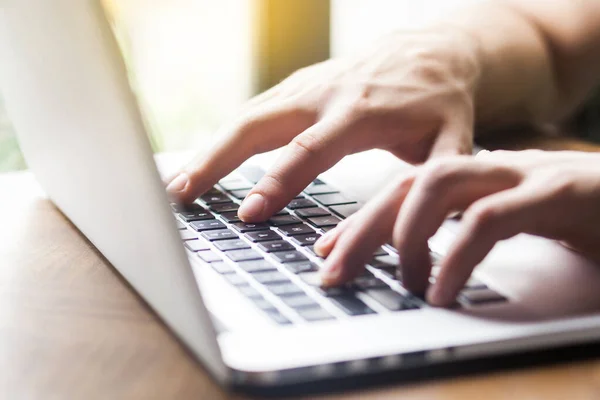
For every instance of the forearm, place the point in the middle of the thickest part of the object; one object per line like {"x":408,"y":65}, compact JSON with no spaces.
{"x":538,"y":59}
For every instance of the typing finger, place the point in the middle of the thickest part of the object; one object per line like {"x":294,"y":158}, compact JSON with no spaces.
{"x":487,"y":221}
{"x":441,"y":188}
{"x":371,"y":227}
{"x":304,"y":158}
{"x":325,"y":244}
{"x":270,"y":127}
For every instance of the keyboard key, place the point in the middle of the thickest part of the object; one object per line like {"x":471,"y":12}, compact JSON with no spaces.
{"x":236,"y":184}
{"x":385,"y":261}
{"x":346,"y":210}
{"x":219,"y":234}
{"x":333,"y":199}
{"x":249,"y":227}
{"x":232,"y":244}
{"x":481,"y":296}
{"x":475,"y":283}
{"x":380,"y":252}
{"x":289,"y":256}
{"x":198,"y":215}
{"x":249,"y":291}
{"x":311,"y":251}
{"x":352,"y":305}
{"x":188,"y":235}
{"x":436,"y":258}
{"x":284,"y":289}
{"x":270,"y":277}
{"x":329,"y":220}
{"x":209,"y":224}
{"x":301,"y":203}
{"x":222,"y":267}
{"x":281,"y":220}
{"x":235,"y":279}
{"x":369,"y":282}
{"x":315,"y":314}
{"x":244,"y":255}
{"x":300,"y":229}
{"x":224,"y":207}
{"x":230,"y":217}
{"x":213,"y":190}
{"x":263,"y":304}
{"x":278,"y":317}
{"x":214,"y":198}
{"x":240,"y":194}
{"x":278,"y":245}
{"x":328,"y":228}
{"x":256,"y":266}
{"x":319,"y":189}
{"x":311,"y":278}
{"x":180,"y":225}
{"x":306,"y":240}
{"x":209,"y":256}
{"x":314,"y":279}
{"x":301,"y":266}
{"x":186,"y":207}
{"x":196,"y":245}
{"x":390,"y":299}
{"x":312,"y":212}
{"x":299,"y":301}
{"x":252,"y":173}
{"x":263,"y":236}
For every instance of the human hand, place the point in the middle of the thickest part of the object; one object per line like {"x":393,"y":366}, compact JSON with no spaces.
{"x":551,"y":194}
{"x":411,"y":95}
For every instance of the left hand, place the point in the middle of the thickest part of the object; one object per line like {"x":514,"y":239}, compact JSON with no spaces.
{"x":551,"y":194}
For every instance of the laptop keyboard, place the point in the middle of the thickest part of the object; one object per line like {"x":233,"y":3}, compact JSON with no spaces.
{"x":273,"y":264}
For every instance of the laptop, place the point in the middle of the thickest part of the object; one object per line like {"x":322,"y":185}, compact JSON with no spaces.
{"x":244,"y":298}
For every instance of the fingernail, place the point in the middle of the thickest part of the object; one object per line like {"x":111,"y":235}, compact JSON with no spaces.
{"x":252,"y":206}
{"x":323,"y":242}
{"x":179,"y":183}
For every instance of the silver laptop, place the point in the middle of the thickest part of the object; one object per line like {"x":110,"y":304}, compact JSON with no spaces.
{"x":243,"y":297}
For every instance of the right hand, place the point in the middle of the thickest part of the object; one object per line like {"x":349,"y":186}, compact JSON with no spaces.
{"x":412,"y":95}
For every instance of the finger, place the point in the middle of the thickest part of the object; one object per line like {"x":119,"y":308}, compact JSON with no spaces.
{"x":313,"y":151}
{"x":325,"y":244}
{"x":263,"y":130}
{"x":441,"y":188}
{"x":371,"y":227}
{"x":489,"y":220}
{"x":455,"y":138}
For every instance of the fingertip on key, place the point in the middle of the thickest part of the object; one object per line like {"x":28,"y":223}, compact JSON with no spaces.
{"x":178,"y":184}
{"x":252,"y":207}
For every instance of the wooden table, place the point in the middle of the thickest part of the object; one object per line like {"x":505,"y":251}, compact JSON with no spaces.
{"x":70,"y":327}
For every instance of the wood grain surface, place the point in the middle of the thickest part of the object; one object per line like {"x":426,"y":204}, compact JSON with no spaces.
{"x":71,"y":328}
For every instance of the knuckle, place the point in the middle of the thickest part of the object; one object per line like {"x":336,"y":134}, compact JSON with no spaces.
{"x":270,"y":184}
{"x":479,"y":217}
{"x":307,"y":144}
{"x":560,"y":185}
{"x":249,"y":123}
{"x":439,"y":172}
{"x":428,"y":71}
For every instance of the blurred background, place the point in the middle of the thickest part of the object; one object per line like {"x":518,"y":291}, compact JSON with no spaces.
{"x":195,"y":62}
